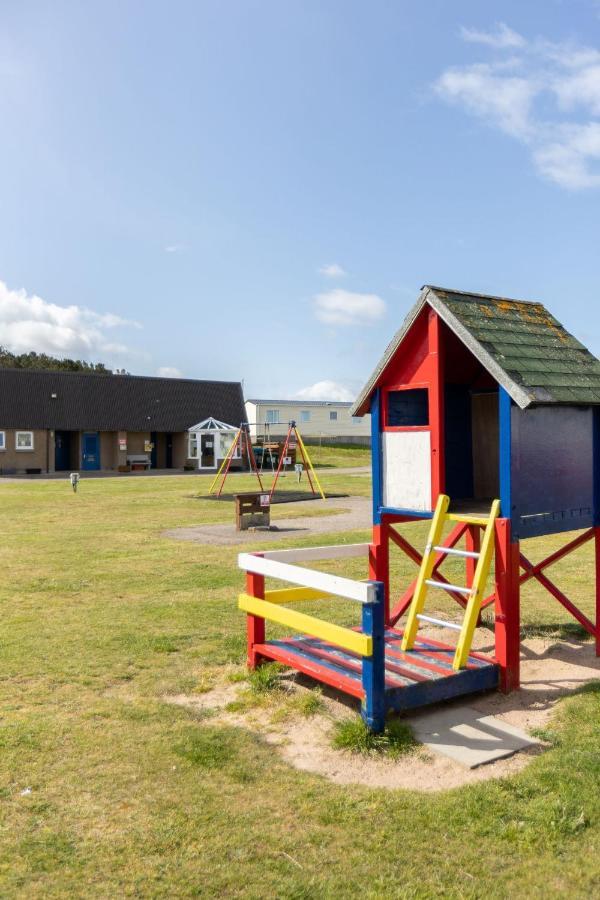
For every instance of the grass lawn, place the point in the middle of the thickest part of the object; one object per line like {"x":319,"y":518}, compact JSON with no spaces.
{"x":338,"y":455}
{"x":107,"y":790}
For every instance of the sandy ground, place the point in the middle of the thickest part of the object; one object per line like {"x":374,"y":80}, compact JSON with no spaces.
{"x":347,"y":514}
{"x":550,"y":670}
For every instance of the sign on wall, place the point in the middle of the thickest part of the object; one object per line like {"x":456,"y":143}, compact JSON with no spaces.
{"x":122,"y":443}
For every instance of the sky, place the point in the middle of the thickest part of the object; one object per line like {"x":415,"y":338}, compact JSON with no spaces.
{"x":256,"y":190}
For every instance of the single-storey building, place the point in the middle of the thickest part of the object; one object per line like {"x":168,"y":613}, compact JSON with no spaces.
{"x":318,"y":420}
{"x":61,"y":421}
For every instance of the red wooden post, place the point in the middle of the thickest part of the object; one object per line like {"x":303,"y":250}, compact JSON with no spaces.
{"x":436,"y":406}
{"x":255,"y":586}
{"x":379,"y":563}
{"x":472,"y":545}
{"x":508,"y":630}
{"x":597,"y":560}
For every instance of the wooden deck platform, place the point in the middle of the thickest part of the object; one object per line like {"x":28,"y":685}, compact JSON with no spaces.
{"x":413,"y":678}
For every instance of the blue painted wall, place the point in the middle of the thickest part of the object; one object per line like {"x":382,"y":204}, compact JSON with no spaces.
{"x":552,"y":469}
{"x":376,"y":455}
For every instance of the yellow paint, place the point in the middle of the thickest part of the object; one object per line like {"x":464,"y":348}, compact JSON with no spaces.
{"x":467,"y":520}
{"x":312,"y":469}
{"x":297,"y":621}
{"x":222,"y":466}
{"x":472,"y":610}
{"x":295,"y":595}
{"x":425,"y":572}
{"x":475,"y":600}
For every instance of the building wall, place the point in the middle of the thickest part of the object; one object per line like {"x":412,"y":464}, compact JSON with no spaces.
{"x":108,"y":449}
{"x":19,"y":460}
{"x":319,"y":425}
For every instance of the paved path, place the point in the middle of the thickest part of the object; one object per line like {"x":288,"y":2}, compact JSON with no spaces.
{"x":356,"y":515}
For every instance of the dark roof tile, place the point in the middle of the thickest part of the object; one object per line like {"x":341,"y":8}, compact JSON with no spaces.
{"x":113,"y":402}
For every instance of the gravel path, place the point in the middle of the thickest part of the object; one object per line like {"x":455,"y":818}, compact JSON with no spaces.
{"x":356,"y":514}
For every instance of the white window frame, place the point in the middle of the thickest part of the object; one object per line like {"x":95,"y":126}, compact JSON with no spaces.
{"x":333,"y":415}
{"x":24,"y":449}
{"x":193,"y":440}
{"x":2,"y":440}
{"x":305,"y":415}
{"x":272,"y":417}
{"x":223,"y":451}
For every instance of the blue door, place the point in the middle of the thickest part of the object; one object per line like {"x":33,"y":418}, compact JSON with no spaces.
{"x":90,"y":450}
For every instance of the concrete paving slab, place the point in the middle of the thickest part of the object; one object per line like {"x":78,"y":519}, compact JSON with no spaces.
{"x":468,"y":737}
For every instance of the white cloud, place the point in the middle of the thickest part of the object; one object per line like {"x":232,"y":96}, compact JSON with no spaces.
{"x":339,"y":307}
{"x":326,"y":390}
{"x":501,"y":38}
{"x":174,"y":248}
{"x":169,"y":372}
{"x":547,"y":98}
{"x":332,"y":270}
{"x":504,"y":100}
{"x":28,"y":322}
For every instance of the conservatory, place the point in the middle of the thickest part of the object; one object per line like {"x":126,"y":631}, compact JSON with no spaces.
{"x":209,"y":442}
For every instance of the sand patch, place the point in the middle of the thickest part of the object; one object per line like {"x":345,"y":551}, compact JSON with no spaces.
{"x":550,"y":670}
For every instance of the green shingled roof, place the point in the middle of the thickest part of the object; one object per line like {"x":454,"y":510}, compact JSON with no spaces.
{"x":519,"y":342}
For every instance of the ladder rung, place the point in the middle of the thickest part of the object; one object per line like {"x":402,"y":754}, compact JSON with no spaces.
{"x":467,"y":520}
{"x":447,"y":587}
{"x":440,"y":622}
{"x":452,"y":551}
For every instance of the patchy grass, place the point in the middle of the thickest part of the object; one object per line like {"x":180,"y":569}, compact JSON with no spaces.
{"x":266,"y":678}
{"x":353,"y":735}
{"x":107,"y":790}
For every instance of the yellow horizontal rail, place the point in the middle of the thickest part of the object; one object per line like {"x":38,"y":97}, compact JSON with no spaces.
{"x":327,"y":631}
{"x":295,"y":595}
{"x":467,"y":520}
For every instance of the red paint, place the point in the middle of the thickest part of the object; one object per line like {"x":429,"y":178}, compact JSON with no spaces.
{"x":558,"y":595}
{"x":597,"y":566}
{"x":406,"y":599}
{"x":379,"y":562}
{"x":472,"y":545}
{"x":436,"y":406}
{"x":343,"y":683}
{"x":507,"y":629}
{"x":532,"y":571}
{"x":255,"y":626}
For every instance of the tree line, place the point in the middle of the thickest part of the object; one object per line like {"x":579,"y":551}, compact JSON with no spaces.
{"x":33,"y":360}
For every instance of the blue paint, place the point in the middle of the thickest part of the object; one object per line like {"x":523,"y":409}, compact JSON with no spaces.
{"x":376,"y":455}
{"x":504,"y":412}
{"x":596,"y":463}
{"x":90,"y":451}
{"x":373,"y":667}
{"x":413,"y":513}
{"x":553,"y":470}
{"x":467,"y":681}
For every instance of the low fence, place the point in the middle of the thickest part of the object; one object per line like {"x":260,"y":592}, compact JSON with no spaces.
{"x":262,"y":605}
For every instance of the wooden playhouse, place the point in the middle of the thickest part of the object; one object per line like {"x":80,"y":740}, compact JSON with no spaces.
{"x":481,"y":397}
{"x":476,"y":397}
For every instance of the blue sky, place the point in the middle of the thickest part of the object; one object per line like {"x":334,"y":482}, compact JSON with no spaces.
{"x":257,"y":190}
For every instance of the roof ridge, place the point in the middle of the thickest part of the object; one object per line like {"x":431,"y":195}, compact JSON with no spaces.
{"x":70,"y":373}
{"x":437,"y":287}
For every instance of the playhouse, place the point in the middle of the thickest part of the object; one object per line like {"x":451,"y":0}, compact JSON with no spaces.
{"x":476,"y":398}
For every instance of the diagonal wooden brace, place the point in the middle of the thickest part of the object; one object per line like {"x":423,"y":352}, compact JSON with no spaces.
{"x":406,"y":599}
{"x":532,"y":571}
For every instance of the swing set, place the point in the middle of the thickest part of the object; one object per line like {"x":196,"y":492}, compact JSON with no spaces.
{"x":243,"y":441}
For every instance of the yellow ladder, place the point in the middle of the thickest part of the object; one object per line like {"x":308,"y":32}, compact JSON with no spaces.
{"x":474,"y":593}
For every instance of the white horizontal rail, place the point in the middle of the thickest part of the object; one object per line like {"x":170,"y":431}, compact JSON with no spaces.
{"x":439,"y":622}
{"x":446,"y":586}
{"x":321,"y":581}
{"x":453,"y":551}
{"x":300,"y":554}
